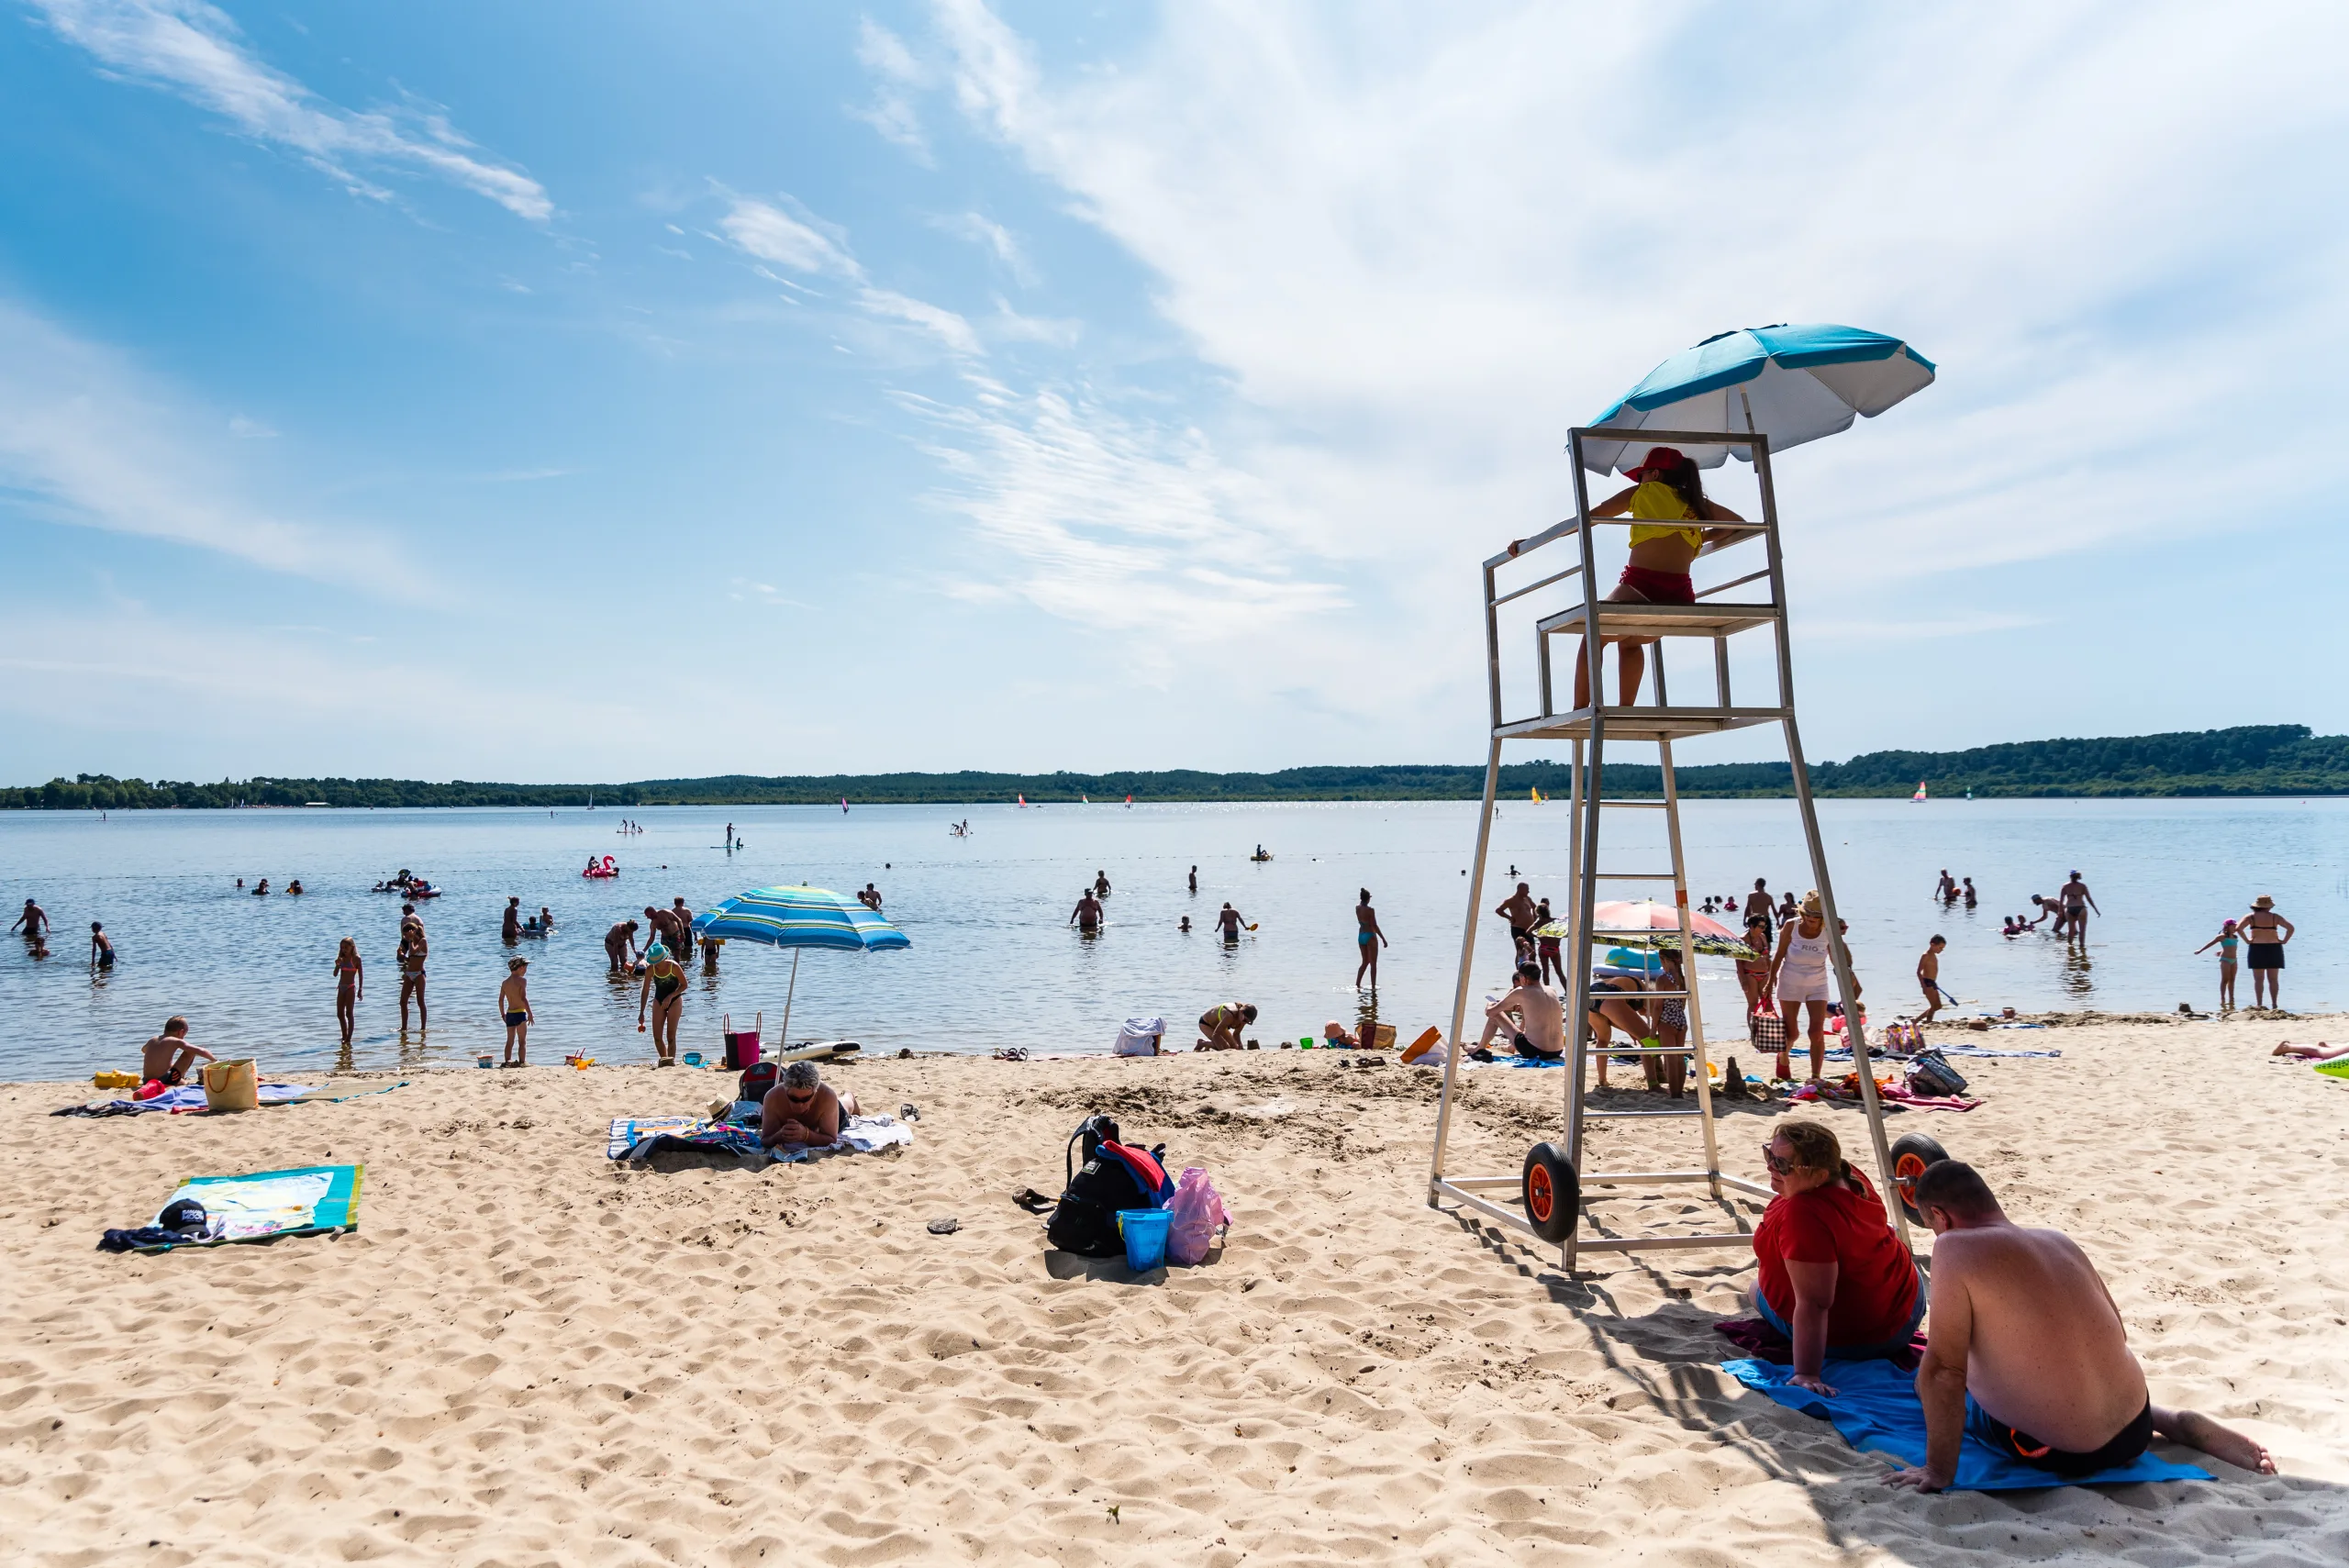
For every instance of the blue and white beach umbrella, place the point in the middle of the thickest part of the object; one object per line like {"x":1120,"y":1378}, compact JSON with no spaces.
{"x":1791,"y":384}
{"x":798,"y":917}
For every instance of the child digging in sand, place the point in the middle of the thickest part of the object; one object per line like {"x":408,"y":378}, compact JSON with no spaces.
{"x":514,"y":1007}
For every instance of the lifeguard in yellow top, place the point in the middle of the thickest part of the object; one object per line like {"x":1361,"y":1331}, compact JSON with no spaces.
{"x":1665,"y":488}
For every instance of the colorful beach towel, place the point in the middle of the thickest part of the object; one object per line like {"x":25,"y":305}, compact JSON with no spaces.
{"x":309,"y":1200}
{"x":638,"y":1138}
{"x":1876,"y":1409}
{"x":184,"y":1098}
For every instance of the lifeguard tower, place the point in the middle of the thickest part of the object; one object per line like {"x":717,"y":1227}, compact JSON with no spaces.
{"x":1553,"y":580}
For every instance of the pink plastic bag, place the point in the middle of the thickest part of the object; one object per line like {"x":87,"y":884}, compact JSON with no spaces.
{"x":1198,"y":1212}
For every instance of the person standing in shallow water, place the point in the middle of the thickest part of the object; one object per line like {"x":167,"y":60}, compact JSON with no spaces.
{"x":349,"y":982}
{"x":1368,"y":937}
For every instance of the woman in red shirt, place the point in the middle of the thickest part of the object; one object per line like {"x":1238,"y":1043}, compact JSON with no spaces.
{"x":1832,"y":1275}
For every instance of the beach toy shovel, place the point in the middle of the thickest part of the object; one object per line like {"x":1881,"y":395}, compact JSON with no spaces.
{"x":1145,"y":1233}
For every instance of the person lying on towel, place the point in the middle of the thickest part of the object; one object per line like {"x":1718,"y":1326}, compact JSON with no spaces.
{"x":168,"y":1056}
{"x":1832,"y":1276}
{"x":803,"y":1108}
{"x":2028,"y":1353}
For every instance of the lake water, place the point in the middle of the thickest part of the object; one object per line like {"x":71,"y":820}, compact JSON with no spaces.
{"x":993,"y":960}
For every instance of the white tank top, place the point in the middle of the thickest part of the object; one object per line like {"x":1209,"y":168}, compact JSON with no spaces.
{"x":1806,"y":956}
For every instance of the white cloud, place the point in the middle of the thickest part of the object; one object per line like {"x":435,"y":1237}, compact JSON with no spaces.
{"x":249,"y":430}
{"x":766,"y":232}
{"x":944,"y":325}
{"x":892,"y":111}
{"x":1422,"y":251}
{"x":994,"y":239}
{"x":1112,"y":522}
{"x":95,"y":443}
{"x":189,"y":47}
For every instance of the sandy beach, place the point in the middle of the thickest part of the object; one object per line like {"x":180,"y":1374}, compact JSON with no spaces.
{"x":525,"y":1356}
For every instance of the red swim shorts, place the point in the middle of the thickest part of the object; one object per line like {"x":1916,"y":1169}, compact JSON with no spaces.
{"x":1659,"y":587}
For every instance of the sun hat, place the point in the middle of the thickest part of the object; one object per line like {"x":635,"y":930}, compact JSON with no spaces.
{"x":1660,"y":461}
{"x":656,"y":951}
{"x":2263,"y":902}
{"x":1810,"y":904}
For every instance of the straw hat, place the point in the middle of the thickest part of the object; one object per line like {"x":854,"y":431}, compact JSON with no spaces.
{"x":2263,"y":902}
{"x":1810,"y":904}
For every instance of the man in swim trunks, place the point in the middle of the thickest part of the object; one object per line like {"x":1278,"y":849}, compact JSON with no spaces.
{"x":1758,"y":903}
{"x":803,"y":1108}
{"x":509,"y":929}
{"x":619,"y":945}
{"x":2026,"y":1351}
{"x":101,"y":949}
{"x":1946,"y":889}
{"x":514,"y":1008}
{"x":1929,"y":976}
{"x":1220,"y":1025}
{"x":35,"y":920}
{"x":1230,"y":920}
{"x":2263,"y":933}
{"x":1519,"y":910}
{"x":166,"y":1058}
{"x":663,"y":925}
{"x":2077,"y":904}
{"x":1532,"y":1016}
{"x":1086,"y":916}
{"x":682,"y":916}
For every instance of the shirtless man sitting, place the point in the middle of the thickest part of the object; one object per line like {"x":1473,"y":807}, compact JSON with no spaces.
{"x":803,"y":1108}
{"x":1531,"y":1015}
{"x":2026,"y":1351}
{"x":169,"y":1055}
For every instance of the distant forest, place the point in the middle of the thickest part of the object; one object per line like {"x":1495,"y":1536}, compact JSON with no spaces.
{"x":2277,"y":759}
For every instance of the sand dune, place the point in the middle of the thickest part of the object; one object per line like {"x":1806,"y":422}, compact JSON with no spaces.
{"x":524,"y":1356}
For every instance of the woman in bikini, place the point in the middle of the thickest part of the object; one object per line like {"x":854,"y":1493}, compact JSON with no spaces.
{"x":663,"y":990}
{"x":2265,"y":932}
{"x":2225,"y":941}
{"x":1667,"y":495}
{"x":349,"y":981}
{"x":1367,"y":936}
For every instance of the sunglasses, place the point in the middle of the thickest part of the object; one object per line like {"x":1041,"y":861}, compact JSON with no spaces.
{"x":1781,"y":1167}
{"x":798,"y":1097}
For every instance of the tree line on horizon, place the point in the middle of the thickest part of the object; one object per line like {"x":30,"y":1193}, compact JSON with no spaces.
{"x":2253,"y":760}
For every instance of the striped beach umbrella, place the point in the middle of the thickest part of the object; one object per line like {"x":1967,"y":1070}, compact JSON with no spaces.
{"x":798,"y":918}
{"x":1644,"y":924}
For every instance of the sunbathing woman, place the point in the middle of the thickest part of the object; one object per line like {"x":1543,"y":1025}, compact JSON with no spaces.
{"x":1665,"y":488}
{"x":2319,"y":1052}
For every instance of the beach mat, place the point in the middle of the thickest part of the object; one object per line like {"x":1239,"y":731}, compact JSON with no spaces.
{"x":1876,"y":1409}
{"x":307,"y":1200}
{"x":188,"y":1099}
{"x":636,"y":1138}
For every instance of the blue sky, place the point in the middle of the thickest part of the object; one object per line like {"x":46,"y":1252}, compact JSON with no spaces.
{"x":588,"y":391}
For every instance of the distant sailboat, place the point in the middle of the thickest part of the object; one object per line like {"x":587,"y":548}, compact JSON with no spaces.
{"x":1023,"y":802}
{"x":1129,"y":803}
{"x":843,"y":805}
{"x":1919,"y":796}
{"x":1536,"y":792}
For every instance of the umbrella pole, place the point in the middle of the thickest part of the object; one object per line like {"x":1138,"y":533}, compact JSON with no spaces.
{"x":784,"y":1043}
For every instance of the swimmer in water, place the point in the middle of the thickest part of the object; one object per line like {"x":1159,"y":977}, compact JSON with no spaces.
{"x":1086,"y":917}
{"x":101,"y":949}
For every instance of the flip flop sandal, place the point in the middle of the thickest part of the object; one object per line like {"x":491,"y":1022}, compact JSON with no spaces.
{"x":1032,"y":1201}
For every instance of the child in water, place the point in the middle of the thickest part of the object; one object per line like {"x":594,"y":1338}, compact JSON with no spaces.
{"x":514,"y":1007}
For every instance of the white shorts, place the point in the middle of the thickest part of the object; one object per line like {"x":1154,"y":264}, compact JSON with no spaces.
{"x":1802,"y":988}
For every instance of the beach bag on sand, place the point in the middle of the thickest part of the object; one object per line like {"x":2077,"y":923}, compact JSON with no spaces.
{"x":1930,"y":1074}
{"x":1198,"y":1214}
{"x":756,"y":1080}
{"x":1114,"y":1176}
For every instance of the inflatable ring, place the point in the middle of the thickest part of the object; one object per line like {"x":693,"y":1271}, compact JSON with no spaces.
{"x":1552,"y":1191}
{"x":1911,"y":1155}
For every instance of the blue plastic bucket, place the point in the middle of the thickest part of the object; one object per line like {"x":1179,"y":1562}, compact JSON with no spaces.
{"x":693,"y":1058}
{"x":1145,"y":1233}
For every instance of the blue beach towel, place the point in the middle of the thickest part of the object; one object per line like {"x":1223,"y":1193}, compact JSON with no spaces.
{"x":1875,"y":1409}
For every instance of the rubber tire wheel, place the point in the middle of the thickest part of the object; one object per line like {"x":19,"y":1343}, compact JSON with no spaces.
{"x":1551,"y":1193}
{"x":1912,"y":1152}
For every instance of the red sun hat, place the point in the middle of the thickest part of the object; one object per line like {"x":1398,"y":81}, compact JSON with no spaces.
{"x":1661,"y":461}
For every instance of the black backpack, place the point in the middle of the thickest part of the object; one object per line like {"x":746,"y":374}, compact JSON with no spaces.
{"x":1085,"y":1219}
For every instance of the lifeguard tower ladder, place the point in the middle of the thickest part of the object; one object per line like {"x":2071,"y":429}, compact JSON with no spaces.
{"x":1554,"y":1195}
